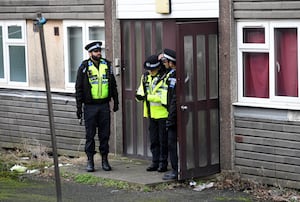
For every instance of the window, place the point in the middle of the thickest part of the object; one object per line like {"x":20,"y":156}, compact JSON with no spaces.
{"x":78,"y":34}
{"x":13,"y":62}
{"x":268,"y":63}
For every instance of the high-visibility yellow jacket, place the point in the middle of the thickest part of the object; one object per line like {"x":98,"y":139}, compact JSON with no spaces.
{"x":152,"y":90}
{"x":98,"y":80}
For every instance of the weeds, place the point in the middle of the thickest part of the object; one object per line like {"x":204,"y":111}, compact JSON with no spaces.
{"x":87,"y":179}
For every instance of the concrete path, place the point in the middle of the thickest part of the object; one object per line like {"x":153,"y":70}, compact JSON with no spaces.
{"x":123,"y":169}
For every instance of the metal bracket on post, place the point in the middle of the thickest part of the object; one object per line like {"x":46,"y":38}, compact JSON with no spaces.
{"x":40,"y":21}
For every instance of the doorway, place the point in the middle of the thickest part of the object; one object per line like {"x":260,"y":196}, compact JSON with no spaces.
{"x":196,"y":46}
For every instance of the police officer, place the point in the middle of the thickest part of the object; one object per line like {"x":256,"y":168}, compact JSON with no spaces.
{"x":150,"y":91}
{"x":95,"y":86}
{"x":169,"y":60}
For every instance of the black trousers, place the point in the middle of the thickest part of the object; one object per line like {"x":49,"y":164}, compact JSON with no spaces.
{"x":97,"y":116}
{"x":158,"y":142}
{"x":172,"y":147}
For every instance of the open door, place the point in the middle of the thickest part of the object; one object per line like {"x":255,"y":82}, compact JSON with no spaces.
{"x":198,"y":99}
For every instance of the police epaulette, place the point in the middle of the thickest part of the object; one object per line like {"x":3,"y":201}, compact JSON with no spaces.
{"x":103,"y":62}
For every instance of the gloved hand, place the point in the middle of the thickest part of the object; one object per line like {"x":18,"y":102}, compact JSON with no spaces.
{"x":139,"y":97}
{"x":116,"y":107}
{"x":79,"y":112}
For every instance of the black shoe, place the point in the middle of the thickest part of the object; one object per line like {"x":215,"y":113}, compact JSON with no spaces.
{"x":90,"y":166}
{"x":152,"y":167}
{"x":170,"y":176}
{"x":105,"y":164}
{"x":162,"y":169}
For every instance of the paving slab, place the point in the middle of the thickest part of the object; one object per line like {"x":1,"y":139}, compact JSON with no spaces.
{"x":123,"y":169}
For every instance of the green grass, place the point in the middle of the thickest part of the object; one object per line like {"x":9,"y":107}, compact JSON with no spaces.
{"x":93,"y":180}
{"x":241,"y":199}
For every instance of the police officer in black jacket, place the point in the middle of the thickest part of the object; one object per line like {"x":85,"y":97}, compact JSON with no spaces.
{"x":95,"y":86}
{"x":169,"y":60}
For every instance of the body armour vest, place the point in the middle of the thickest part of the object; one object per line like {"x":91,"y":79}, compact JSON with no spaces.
{"x":98,"y":79}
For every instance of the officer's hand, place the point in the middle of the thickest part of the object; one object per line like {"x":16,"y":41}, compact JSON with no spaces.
{"x":139,"y":97}
{"x":169,"y":124}
{"x":116,"y":107}
{"x":79,"y":112}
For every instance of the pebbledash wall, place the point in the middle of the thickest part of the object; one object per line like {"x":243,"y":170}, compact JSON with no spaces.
{"x":266,"y":132}
{"x":23,"y":106}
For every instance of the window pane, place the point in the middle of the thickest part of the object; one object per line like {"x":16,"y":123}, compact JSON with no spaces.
{"x":75,"y":45}
{"x":158,"y":27}
{"x":286,"y":62}
{"x":213,"y":67}
{"x":17,"y":63}
{"x":15,"y":32}
{"x":201,"y":67}
{"x":256,"y":75}
{"x":188,"y":67}
{"x":215,"y":137}
{"x":128,"y":127}
{"x":127,"y":55}
{"x":253,"y":35}
{"x":190,"y":150}
{"x":138,"y":51}
{"x":202,"y":138}
{"x":148,"y":39}
{"x":1,"y":54}
{"x":96,"y":33}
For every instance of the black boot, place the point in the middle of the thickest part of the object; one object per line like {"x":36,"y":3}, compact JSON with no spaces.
{"x":90,"y":164}
{"x":163,"y":167}
{"x":105,"y":164}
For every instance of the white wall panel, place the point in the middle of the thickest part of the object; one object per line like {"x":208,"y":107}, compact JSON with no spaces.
{"x":146,"y":9}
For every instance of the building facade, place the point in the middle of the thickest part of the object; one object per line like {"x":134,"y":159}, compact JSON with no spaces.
{"x":266,"y":108}
{"x":238,"y":78}
{"x":24,"y":113}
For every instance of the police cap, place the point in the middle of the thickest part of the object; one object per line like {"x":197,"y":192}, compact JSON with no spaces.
{"x":93,"y":46}
{"x":170,"y":54}
{"x":151,"y":62}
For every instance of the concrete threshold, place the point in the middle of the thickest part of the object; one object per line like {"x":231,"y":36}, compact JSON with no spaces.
{"x":123,"y":169}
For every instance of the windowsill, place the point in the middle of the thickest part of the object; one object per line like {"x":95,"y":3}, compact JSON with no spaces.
{"x":53,"y":90}
{"x":268,"y":105}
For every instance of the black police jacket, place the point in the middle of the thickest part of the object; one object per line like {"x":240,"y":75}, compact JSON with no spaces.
{"x":172,"y":117}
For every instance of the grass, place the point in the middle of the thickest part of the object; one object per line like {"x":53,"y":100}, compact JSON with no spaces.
{"x":240,"y":199}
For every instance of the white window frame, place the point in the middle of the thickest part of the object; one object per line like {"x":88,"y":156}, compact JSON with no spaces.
{"x":85,"y":39}
{"x":268,"y":47}
{"x":5,"y":82}
{"x":273,"y":26}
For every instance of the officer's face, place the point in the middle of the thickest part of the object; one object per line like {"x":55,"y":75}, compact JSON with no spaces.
{"x":172,"y":65}
{"x":153,"y":72}
{"x":96,"y":54}
{"x":165,"y":62}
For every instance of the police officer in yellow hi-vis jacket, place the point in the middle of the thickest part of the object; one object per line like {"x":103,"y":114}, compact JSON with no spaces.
{"x":151,"y":90}
{"x":95,"y":86}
